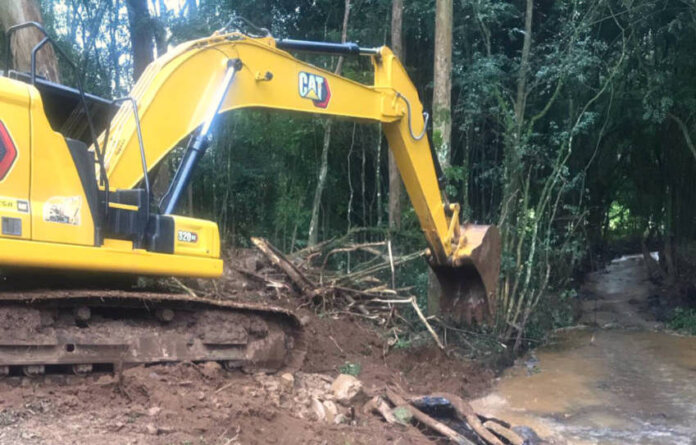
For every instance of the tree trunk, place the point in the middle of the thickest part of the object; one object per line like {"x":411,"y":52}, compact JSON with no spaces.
{"x":324,"y":166}
{"x":395,"y":185}
{"x":141,"y":34}
{"x":14,"y":12}
{"x":685,"y":132}
{"x":191,"y":8}
{"x":378,"y":175}
{"x":512,"y":161}
{"x":442,"y":87}
{"x":160,"y":30}
{"x":520,"y":102}
{"x":114,"y":52}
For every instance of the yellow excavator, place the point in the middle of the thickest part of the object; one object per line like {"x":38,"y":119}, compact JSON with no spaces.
{"x":75,"y":196}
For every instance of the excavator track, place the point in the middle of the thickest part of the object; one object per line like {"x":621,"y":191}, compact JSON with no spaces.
{"x":80,"y":331}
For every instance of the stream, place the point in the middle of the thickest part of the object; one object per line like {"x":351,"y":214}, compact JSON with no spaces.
{"x":619,"y":379}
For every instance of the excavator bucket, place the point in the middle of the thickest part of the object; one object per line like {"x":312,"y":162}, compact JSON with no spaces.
{"x":465,"y":291}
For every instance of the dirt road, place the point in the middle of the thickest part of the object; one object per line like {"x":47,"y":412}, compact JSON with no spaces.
{"x":619,"y":380}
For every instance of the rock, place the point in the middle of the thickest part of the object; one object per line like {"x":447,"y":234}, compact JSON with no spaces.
{"x":164,"y":430}
{"x":287,"y":381}
{"x":152,"y":412}
{"x":331,"y":411}
{"x":304,"y":320}
{"x":151,"y":429}
{"x":211,"y":369}
{"x":345,"y":388}
{"x":318,"y":409}
{"x":339,"y":419}
{"x":105,"y":380}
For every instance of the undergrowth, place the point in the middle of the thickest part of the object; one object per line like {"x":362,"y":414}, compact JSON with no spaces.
{"x":684,"y":321}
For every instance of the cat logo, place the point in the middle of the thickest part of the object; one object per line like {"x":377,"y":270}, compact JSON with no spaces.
{"x":315,"y":88}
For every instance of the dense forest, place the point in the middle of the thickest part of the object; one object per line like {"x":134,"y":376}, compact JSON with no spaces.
{"x":566,"y":123}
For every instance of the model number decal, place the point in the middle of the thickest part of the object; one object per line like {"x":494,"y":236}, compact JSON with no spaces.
{"x":187,"y":237}
{"x":314,"y":87}
{"x":11,"y":204}
{"x":7,"y":203}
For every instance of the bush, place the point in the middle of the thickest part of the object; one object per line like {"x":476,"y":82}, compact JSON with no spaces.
{"x":684,"y":320}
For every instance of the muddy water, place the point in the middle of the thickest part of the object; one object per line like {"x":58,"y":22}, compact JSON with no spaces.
{"x":619,"y":380}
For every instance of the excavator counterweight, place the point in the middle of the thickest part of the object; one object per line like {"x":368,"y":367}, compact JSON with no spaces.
{"x":80,"y":199}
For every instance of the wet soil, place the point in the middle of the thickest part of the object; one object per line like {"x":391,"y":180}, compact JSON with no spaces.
{"x":619,"y":378}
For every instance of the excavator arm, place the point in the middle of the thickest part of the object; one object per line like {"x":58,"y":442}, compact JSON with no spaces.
{"x":182,"y":93}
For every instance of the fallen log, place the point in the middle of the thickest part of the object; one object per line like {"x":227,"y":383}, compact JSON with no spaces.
{"x":427,"y":420}
{"x":464,"y":412}
{"x":279,"y":260}
{"x":507,"y":433}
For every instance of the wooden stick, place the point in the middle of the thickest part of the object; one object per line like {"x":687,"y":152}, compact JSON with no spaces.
{"x":350,"y":248}
{"x":425,"y":322}
{"x":377,"y":404}
{"x":361,"y":307}
{"x":306,"y":251}
{"x":336,"y":343}
{"x":369,"y":271}
{"x":507,"y":433}
{"x":257,"y":277}
{"x":184,"y":287}
{"x":391,"y":265}
{"x":279,"y":260}
{"x":427,"y":420}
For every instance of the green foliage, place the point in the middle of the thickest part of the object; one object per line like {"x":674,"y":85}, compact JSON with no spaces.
{"x":556,"y":311}
{"x":684,"y":320}
{"x":353,"y":369}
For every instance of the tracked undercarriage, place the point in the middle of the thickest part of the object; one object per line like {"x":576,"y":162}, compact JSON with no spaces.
{"x":45,"y":331}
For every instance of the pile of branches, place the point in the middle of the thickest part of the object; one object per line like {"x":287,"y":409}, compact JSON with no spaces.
{"x":338,"y":276}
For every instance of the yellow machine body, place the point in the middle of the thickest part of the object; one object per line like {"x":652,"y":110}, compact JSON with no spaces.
{"x":174,"y":97}
{"x":47,"y":222}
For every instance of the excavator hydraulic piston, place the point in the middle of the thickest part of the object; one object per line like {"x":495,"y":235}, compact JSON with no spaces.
{"x":198,"y":145}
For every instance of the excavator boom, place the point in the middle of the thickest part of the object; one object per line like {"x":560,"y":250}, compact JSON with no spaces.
{"x":244,"y":72}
